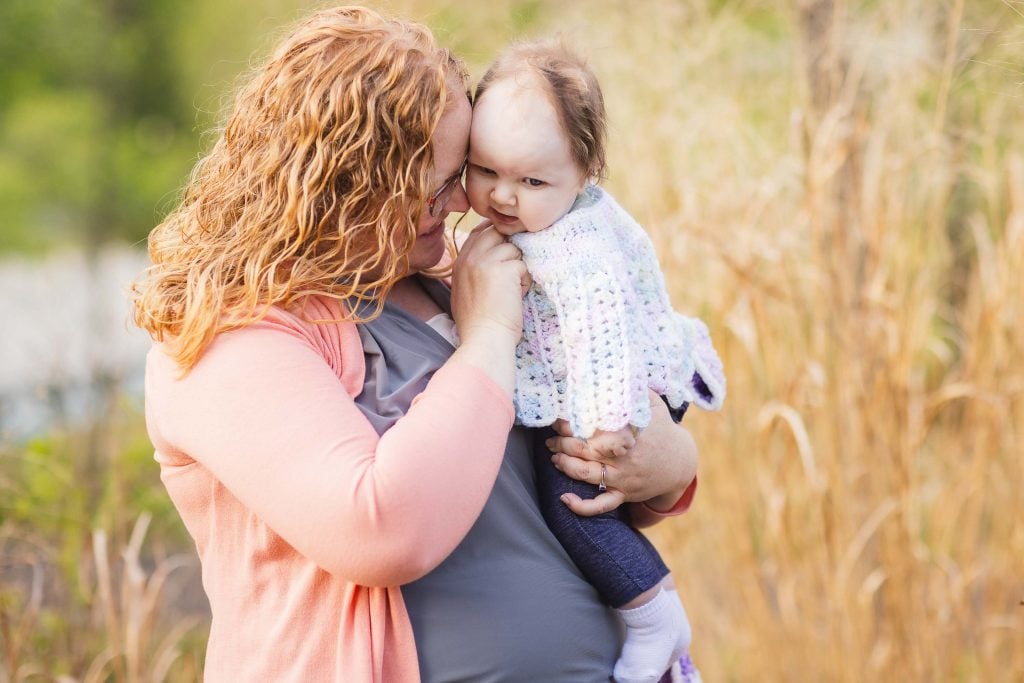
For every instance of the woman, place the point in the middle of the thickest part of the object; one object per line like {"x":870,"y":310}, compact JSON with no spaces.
{"x":320,"y":464}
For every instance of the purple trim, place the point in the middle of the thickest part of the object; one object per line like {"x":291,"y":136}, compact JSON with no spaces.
{"x":687,"y":669}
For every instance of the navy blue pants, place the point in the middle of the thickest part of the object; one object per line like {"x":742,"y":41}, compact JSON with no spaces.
{"x":615,"y":558}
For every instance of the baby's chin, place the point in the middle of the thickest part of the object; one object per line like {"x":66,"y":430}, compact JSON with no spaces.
{"x":509,"y":230}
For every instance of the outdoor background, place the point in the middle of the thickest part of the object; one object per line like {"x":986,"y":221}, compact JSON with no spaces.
{"x":835,"y":186}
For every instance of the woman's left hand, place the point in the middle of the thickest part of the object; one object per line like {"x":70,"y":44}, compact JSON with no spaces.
{"x":656,"y":470}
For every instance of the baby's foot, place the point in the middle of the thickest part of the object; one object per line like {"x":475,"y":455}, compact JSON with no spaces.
{"x":657,"y":634}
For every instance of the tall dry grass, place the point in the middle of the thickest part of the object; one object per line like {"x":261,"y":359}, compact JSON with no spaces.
{"x":838,"y":189}
{"x":84,"y":596}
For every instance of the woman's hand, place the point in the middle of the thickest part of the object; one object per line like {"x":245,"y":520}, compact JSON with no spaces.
{"x":488,"y":284}
{"x":656,"y":470}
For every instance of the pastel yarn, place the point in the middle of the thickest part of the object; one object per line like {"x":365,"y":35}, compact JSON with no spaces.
{"x":598,"y":328}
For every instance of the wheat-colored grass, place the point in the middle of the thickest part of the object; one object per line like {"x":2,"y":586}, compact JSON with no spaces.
{"x":856,"y":245}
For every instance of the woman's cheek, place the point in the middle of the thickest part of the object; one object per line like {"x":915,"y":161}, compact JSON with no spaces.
{"x":477,"y":193}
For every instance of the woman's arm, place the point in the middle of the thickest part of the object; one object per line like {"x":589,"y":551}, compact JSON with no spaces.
{"x":659,"y":472}
{"x":265,"y":411}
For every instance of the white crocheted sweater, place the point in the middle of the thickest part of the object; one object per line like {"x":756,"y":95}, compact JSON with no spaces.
{"x":598,"y":329}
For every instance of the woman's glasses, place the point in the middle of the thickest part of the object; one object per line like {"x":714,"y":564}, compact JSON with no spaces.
{"x":437,"y":201}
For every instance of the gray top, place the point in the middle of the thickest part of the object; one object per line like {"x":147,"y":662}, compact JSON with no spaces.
{"x":508,"y":604}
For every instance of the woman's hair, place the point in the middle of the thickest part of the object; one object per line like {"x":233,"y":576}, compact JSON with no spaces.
{"x":571,"y":86}
{"x":314,"y":186}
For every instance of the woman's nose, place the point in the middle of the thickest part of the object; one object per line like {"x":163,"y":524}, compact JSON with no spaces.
{"x":459,"y":201}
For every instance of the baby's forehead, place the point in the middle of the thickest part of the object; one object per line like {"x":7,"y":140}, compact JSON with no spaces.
{"x":523,"y":82}
{"x":513,"y":104}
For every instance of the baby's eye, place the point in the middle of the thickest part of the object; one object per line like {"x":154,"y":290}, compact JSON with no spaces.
{"x":483,"y":169}
{"x":534,"y":182}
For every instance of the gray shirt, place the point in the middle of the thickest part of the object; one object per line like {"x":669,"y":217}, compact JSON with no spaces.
{"x":508,"y":604}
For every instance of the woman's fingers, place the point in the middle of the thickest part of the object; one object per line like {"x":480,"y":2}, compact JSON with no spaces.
{"x":484,"y":242}
{"x":581,"y":469}
{"x":483,"y":233}
{"x":506,"y":251}
{"x":573,"y":458}
{"x":487,"y":285}
{"x":602,"y":445}
{"x":658,"y":466}
{"x":602,"y":503}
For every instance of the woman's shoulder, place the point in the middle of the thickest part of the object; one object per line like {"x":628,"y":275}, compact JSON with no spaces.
{"x":315,"y":324}
{"x":322,"y":324}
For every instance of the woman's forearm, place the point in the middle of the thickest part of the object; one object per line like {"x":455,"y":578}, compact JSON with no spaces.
{"x":492,"y":351}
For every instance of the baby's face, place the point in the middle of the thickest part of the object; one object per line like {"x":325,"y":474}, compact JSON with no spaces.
{"x":521,"y":174}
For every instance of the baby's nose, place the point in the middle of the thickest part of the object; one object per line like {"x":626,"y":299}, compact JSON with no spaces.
{"x":503,"y":194}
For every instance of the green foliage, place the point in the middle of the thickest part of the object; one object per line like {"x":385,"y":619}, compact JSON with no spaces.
{"x":105,"y":101}
{"x":43,"y":490}
{"x":94,"y":130}
{"x":526,"y":15}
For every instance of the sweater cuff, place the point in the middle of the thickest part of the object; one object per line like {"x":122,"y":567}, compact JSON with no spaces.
{"x":681,"y":506}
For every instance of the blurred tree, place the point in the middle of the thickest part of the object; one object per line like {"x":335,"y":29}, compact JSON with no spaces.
{"x":102,"y":101}
{"x":94,"y":130}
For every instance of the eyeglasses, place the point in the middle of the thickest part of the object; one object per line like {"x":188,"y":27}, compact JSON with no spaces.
{"x":437,"y":201}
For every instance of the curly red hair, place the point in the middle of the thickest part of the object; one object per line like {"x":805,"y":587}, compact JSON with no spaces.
{"x":314,"y":185}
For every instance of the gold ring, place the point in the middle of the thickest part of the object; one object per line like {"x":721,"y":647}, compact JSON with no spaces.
{"x":602,"y":486}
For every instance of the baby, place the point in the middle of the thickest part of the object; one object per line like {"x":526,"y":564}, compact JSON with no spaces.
{"x":599,"y":333}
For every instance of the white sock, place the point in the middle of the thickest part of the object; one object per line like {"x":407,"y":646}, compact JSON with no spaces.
{"x":686,"y":633}
{"x":657,"y":634}
{"x":686,"y":636}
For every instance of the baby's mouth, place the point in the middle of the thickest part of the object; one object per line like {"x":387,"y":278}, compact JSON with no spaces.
{"x":503,"y":217}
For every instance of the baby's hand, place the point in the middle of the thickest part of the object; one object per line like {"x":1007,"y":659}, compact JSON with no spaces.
{"x":612,"y":444}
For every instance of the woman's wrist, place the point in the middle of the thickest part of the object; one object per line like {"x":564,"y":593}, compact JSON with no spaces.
{"x":643,"y":515}
{"x":491,"y":349}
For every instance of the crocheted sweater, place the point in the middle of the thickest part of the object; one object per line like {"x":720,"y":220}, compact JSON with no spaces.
{"x":598,"y":328}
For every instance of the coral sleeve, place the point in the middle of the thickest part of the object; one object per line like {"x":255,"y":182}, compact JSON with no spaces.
{"x":643,"y":515}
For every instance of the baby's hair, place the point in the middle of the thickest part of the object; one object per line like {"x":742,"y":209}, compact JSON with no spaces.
{"x":573,"y":90}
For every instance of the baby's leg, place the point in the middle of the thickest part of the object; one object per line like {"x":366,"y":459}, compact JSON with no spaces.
{"x":625,"y":569}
